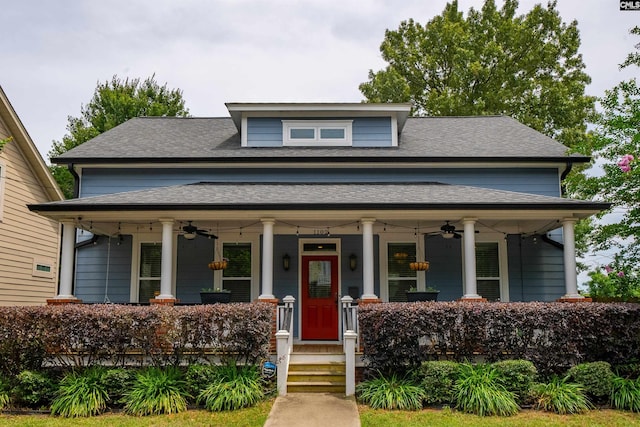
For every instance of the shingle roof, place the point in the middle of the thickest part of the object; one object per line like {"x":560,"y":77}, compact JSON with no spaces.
{"x":170,"y":139}
{"x":254,"y":196}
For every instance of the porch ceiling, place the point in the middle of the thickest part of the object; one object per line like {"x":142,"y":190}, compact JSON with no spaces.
{"x":410,"y":206}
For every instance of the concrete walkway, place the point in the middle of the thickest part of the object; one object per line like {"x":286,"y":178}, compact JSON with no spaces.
{"x":314,"y":410}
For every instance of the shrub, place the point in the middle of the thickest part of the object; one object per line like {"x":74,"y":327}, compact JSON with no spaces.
{"x":478,"y":390}
{"x":33,"y":389}
{"x":4,"y":394}
{"x":81,"y":394}
{"x":518,"y":377}
{"x":103,"y":333}
{"x":391,"y":392}
{"x":437,"y":378}
{"x":232,"y":388}
{"x":199,"y":376}
{"x":595,"y":377}
{"x":561,"y":397}
{"x":397,"y":335}
{"x":116,"y":381}
{"x":156,"y":391}
{"x":625,"y":394}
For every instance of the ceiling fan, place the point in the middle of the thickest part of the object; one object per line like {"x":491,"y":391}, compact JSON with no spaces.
{"x":190,"y":232}
{"x":448,"y":231}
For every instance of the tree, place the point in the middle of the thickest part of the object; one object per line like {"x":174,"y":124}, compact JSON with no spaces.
{"x":492,"y":62}
{"x":114,"y":102}
{"x":615,"y":146}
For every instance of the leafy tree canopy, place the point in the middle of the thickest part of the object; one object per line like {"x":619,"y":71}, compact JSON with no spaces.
{"x":615,"y":146}
{"x":114,"y":102}
{"x":491,"y":62}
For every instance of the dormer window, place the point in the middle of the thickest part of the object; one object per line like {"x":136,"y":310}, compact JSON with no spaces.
{"x":320,"y":133}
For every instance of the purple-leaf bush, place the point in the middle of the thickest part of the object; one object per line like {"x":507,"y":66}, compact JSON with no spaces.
{"x":79,"y":335}
{"x":554,"y":336}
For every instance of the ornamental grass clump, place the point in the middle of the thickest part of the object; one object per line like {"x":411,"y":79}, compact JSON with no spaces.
{"x":479,"y":391}
{"x":5,"y":398}
{"x":156,"y":391}
{"x":81,"y":394}
{"x":233,"y":387}
{"x":391,"y":392}
{"x":561,"y":396}
{"x":625,"y":394}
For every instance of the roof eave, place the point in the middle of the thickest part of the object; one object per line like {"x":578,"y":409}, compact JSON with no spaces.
{"x":318,"y":159}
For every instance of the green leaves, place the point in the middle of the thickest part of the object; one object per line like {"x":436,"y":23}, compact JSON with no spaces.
{"x":113,"y":103}
{"x":491,"y":62}
{"x":391,"y":392}
{"x":479,"y":390}
{"x":81,"y":394}
{"x":561,"y":396}
{"x":233,"y":387}
{"x":157,"y":391}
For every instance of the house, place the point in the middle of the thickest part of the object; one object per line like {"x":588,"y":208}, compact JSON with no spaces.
{"x":317,"y":201}
{"x":29,"y":243}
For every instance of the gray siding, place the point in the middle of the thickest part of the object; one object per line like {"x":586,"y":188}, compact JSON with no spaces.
{"x":366,"y":131}
{"x":536,"y":270}
{"x":91,"y":271}
{"x":96,"y":182}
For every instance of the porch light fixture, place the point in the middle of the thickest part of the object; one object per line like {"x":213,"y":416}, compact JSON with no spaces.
{"x":353,"y":262}
{"x":286,"y":262}
{"x":190,"y":236}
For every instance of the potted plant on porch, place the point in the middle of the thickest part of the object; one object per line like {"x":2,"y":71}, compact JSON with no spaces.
{"x":212,"y":296}
{"x":429,"y":294}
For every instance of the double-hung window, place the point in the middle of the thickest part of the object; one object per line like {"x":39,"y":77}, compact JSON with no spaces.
{"x":400,"y":277}
{"x":237,"y":276}
{"x":150,"y":271}
{"x":488,"y":270}
{"x":317,"y":133}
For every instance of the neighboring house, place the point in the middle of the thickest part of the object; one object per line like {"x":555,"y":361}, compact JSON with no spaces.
{"x":29,"y":243}
{"x":319,"y":201}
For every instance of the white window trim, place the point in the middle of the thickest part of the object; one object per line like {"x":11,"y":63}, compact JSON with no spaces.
{"x":502,"y":259}
{"x":384,"y":240}
{"x":137,"y":240}
{"x":3,"y":178}
{"x":288,"y":125}
{"x":254,"y":241}
{"x":45,"y":263}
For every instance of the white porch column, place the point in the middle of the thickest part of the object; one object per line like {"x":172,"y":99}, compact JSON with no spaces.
{"x":367,"y":259}
{"x":267,"y":259}
{"x":65,"y":288}
{"x":471,"y":285}
{"x":570,"y":272}
{"x":166,"y":273}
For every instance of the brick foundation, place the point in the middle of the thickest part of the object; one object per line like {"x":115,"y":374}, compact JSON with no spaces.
{"x":574,"y":300}
{"x":164,"y":301}
{"x":272,"y":340}
{"x":63,"y":301}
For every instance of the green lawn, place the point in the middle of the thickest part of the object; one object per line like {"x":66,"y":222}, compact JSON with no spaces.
{"x":449,"y":418}
{"x":250,"y":417}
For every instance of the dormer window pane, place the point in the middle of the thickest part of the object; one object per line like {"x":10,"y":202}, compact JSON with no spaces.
{"x":317,"y":133}
{"x":331,"y":133}
{"x":302,"y":133}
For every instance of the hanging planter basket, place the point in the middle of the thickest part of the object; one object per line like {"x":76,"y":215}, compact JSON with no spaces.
{"x":218,"y":265}
{"x":419,"y":266}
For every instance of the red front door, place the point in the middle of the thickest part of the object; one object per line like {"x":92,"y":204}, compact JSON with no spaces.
{"x":320,"y":297}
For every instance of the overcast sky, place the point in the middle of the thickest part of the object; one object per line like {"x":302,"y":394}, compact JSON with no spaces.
{"x":53,"y":53}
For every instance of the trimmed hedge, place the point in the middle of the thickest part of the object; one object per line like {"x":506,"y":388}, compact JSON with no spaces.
{"x":554,"y":336}
{"x":81,"y":335}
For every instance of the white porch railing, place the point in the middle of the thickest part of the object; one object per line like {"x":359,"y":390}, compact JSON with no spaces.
{"x":284,"y":342}
{"x":350,"y":342}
